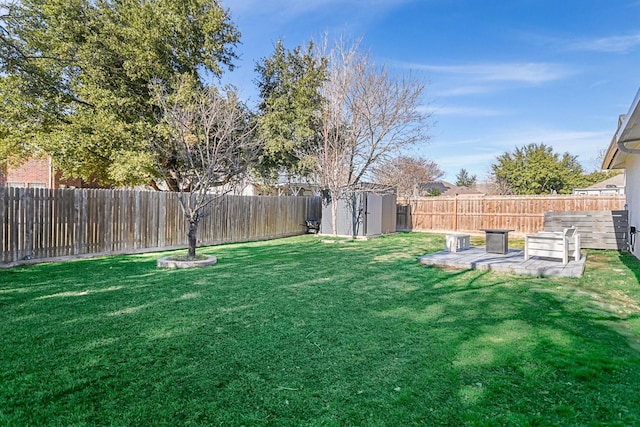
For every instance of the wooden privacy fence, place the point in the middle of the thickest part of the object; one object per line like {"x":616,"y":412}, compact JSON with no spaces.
{"x":598,"y":229}
{"x":524,"y":214}
{"x":46,"y":223}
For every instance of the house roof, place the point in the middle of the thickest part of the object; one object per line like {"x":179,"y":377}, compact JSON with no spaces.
{"x":627,"y":135}
{"x":448,"y":189}
{"x":615,"y":181}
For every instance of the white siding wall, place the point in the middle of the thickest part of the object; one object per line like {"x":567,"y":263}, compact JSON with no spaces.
{"x":633,"y":195}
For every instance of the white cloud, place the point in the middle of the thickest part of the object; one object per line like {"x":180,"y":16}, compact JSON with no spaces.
{"x":464,"y":90}
{"x":467,"y":112}
{"x":481,"y":79}
{"x":561,"y":140}
{"x":519,"y":72}
{"x":612,"y":44}
{"x":599,"y":83}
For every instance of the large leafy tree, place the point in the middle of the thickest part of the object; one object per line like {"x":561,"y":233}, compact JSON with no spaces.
{"x":289,"y":82}
{"x":537,"y":169}
{"x":75,"y":77}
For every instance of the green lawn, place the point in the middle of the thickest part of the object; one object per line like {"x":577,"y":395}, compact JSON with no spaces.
{"x":300,"y":332}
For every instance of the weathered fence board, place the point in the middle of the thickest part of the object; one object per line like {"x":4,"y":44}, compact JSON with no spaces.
{"x":598,"y":229}
{"x":524,"y":214}
{"x":44,"y":223}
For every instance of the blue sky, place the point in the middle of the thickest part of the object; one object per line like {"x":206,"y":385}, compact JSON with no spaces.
{"x":499,"y":73}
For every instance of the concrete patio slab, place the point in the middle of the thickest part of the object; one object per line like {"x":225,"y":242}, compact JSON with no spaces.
{"x":477,"y":258}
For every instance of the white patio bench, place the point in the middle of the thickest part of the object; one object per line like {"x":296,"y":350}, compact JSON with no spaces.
{"x":457,"y":242}
{"x":553,"y":244}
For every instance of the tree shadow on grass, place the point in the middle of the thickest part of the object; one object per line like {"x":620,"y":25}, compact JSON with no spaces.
{"x":632,"y":263}
{"x":296,"y":332}
{"x":517,"y":358}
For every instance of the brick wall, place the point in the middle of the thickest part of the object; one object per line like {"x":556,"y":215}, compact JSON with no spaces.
{"x":37,"y":172}
{"x":34,"y":172}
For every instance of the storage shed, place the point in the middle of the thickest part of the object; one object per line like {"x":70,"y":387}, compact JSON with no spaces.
{"x":362,"y":213}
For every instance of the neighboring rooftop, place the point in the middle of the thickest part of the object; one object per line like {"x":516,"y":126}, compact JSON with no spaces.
{"x":612,"y":185}
{"x":614,"y":181}
{"x":448,"y":189}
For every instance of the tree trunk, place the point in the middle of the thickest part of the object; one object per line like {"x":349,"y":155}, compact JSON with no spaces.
{"x":193,"y":229}
{"x":355,"y":216}
{"x":334,"y":216}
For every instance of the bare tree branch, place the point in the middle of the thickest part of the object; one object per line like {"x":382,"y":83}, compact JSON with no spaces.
{"x":407,"y":174}
{"x":368,"y":116}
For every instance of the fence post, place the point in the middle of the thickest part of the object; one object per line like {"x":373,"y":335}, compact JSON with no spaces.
{"x":137,"y":218}
{"x":455,"y":212}
{"x":4,"y":223}
{"x":162,"y":219}
{"x":108,"y":220}
{"x":14,"y":200}
{"x":28,"y":223}
{"x":80,"y":221}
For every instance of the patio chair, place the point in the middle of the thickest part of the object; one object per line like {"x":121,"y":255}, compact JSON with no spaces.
{"x":553,"y":244}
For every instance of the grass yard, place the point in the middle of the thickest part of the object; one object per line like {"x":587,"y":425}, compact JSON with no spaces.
{"x":299,"y":332}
